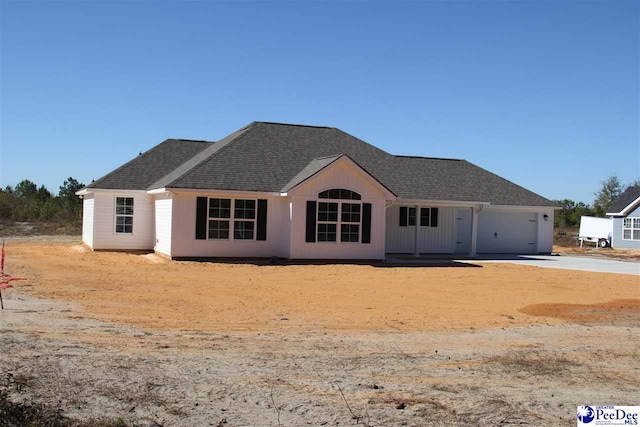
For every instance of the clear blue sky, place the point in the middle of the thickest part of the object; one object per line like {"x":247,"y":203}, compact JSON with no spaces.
{"x":543,"y":93}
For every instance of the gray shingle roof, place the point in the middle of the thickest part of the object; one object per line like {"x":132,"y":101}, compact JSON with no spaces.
{"x":625,"y":199}
{"x":272,"y":157}
{"x":142,"y":171}
{"x":314,"y":166}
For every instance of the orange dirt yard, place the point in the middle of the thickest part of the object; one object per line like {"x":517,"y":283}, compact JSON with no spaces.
{"x":153,"y":292}
{"x":140,"y":338}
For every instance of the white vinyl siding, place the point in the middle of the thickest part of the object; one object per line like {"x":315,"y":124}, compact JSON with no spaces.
{"x":184,"y":243}
{"x":124,"y":215}
{"x":88,"y":212}
{"x":105,"y":236}
{"x":163,"y":224}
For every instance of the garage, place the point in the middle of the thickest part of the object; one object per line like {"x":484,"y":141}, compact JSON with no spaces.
{"x":507,"y":232}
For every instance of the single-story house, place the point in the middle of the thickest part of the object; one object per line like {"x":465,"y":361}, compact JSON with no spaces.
{"x":307,"y":192}
{"x":626,"y":219}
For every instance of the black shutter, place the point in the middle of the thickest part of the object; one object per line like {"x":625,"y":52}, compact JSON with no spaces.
{"x":434,"y":217}
{"x":261,"y":223}
{"x":201,"y":218}
{"x":311,"y":221}
{"x":404,"y":214}
{"x":366,"y":223}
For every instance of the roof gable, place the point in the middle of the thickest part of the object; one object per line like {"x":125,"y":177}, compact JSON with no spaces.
{"x":626,"y":202}
{"x":317,"y":166}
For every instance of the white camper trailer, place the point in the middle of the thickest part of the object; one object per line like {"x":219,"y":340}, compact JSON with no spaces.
{"x":596,"y":230}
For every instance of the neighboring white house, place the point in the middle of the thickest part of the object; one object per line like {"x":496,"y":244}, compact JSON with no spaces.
{"x":306,"y":192}
{"x":626,"y":219}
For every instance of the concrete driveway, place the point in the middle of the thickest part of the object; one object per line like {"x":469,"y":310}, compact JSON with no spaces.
{"x":568,"y":262}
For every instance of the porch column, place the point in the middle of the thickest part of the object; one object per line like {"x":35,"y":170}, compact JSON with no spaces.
{"x":474,"y":230}
{"x":417,"y":236}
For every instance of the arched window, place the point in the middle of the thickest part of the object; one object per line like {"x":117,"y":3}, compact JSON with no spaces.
{"x":344,"y":222}
{"x":339,"y":194}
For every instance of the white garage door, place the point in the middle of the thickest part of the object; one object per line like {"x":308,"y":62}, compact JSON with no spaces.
{"x":507,"y":232}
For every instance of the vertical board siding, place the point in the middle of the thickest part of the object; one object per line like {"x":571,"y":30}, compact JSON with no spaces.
{"x":436,"y":240}
{"x":163,"y":223}
{"x":88,"y":210}
{"x":400,"y":239}
{"x":342,"y":174}
{"x":440,"y":239}
{"x":105,"y":236}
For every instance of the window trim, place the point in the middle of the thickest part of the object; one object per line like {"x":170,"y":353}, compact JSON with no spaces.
{"x":340,"y":221}
{"x":234,"y":220}
{"x":432,"y":217}
{"x":123,"y":215}
{"x":219,"y":219}
{"x":634,"y":223}
{"x":408,"y":216}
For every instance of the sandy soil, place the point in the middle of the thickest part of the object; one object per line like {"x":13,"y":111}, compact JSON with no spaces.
{"x":158,"y":342}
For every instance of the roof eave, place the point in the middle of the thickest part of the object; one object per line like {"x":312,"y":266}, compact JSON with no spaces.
{"x":627,"y":210}
{"x":439,"y":202}
{"x":251,"y":193}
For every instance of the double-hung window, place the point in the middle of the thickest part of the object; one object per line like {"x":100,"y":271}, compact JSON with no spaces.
{"x":244,"y":214}
{"x":327,"y":221}
{"x":350,"y":226}
{"x":631,"y":229}
{"x":231,"y":219}
{"x":124,"y":215}
{"x":219,"y":218}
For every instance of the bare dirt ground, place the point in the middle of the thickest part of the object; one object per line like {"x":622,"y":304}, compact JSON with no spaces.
{"x":148,"y":341}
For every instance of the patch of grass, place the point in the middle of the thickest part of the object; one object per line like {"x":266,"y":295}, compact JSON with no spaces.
{"x":39,"y":228}
{"x":534,"y":364}
{"x":14,"y":414}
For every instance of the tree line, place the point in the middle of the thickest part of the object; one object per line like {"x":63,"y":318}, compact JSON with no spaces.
{"x":569,"y":215}
{"x":28,"y":202}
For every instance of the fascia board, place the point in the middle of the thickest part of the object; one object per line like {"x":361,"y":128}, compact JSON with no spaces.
{"x":388,"y":195}
{"x":213,"y":191}
{"x":624,"y":212}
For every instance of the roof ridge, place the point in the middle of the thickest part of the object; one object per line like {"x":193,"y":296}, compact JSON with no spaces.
{"x":330,"y":156}
{"x":193,"y":140}
{"x":203,"y":156}
{"x":294,"y":125}
{"x":427,"y":158}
